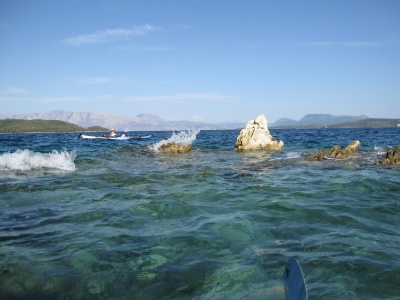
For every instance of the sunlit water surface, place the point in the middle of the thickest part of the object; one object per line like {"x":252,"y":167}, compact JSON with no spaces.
{"x":100,"y":219}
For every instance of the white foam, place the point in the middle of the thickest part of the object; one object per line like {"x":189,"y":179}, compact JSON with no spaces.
{"x":25,"y":160}
{"x":182,"y":138}
{"x":380,"y":150}
{"x":293,"y":155}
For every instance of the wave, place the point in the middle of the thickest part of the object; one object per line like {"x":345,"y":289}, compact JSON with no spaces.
{"x":380,"y":150}
{"x":293,"y":155}
{"x":25,"y":160}
{"x":182,"y":138}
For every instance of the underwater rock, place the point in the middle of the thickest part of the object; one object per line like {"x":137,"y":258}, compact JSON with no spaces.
{"x":175,"y":148}
{"x":95,"y":287}
{"x":392,"y":157}
{"x":336,"y":152}
{"x":256,"y":136}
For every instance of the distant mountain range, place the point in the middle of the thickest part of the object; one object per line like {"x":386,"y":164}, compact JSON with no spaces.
{"x":330,"y":121}
{"x":150,"y":122}
{"x":142,"y":122}
{"x":317,"y":119}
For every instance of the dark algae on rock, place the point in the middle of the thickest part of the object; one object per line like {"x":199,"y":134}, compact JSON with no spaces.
{"x":392,"y":157}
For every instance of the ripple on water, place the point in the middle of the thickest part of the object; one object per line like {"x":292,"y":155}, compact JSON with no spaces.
{"x":215,"y":223}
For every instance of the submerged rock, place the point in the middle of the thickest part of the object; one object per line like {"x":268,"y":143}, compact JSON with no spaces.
{"x":175,"y":148}
{"x":392,"y":157}
{"x":256,"y":136}
{"x":336,"y":152}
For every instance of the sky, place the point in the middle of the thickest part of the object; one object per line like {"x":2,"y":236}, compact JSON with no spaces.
{"x":206,"y":60}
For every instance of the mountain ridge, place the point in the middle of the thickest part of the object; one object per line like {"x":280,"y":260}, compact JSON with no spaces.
{"x":151,"y":122}
{"x":317,"y":119}
{"x":141,"y":122}
{"x":364,"y":123}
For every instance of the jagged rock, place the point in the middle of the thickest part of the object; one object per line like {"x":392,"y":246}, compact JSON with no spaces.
{"x":256,"y":136}
{"x":350,"y":150}
{"x":175,"y":148}
{"x":336,"y":152}
{"x":320,"y":155}
{"x":392,"y":157}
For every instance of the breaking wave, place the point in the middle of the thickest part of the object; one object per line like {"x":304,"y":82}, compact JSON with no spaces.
{"x":25,"y":160}
{"x":380,"y":150}
{"x":182,"y":138}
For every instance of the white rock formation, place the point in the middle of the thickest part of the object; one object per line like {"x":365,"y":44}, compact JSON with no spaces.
{"x":256,"y":136}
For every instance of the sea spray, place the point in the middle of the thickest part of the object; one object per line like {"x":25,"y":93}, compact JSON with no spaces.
{"x":380,"y":151}
{"x":25,"y":160}
{"x":182,"y":138}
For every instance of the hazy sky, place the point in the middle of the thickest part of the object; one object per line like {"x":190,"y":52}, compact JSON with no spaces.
{"x":204,"y":60}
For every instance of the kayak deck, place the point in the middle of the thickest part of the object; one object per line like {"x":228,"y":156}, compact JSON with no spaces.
{"x":84,"y":136}
{"x":295,"y":286}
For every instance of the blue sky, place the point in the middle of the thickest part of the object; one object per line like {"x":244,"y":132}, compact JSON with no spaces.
{"x":208,"y":60}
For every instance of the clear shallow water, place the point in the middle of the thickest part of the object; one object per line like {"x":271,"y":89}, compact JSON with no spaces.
{"x":114,"y":219}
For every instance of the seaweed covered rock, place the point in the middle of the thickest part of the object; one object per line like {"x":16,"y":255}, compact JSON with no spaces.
{"x":336,"y":152}
{"x":320,"y":155}
{"x":392,"y":157}
{"x":256,"y":136}
{"x":175,"y":148}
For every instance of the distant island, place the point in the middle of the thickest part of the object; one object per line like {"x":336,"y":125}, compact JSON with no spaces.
{"x":30,"y":126}
{"x":317,"y":119}
{"x":367,"y":123}
{"x":65,"y":121}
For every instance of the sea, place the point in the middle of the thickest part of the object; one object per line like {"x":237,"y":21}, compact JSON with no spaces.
{"x":118,"y":219}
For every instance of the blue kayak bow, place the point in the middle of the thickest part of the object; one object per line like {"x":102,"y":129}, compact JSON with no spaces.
{"x":295,"y":286}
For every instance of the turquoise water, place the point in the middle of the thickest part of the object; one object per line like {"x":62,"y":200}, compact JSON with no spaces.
{"x":101,"y":219}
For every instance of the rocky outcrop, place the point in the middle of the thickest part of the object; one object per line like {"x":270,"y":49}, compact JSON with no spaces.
{"x":175,"y":148}
{"x":350,"y":150}
{"x":392,"y":157}
{"x":256,"y":136}
{"x":336,"y":152}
